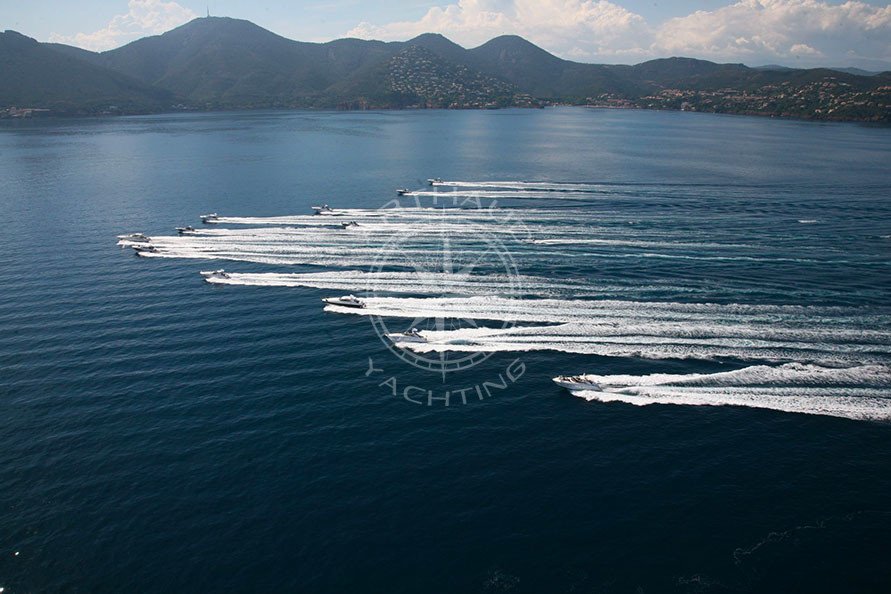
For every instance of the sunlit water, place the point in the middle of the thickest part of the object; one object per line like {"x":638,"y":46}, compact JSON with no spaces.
{"x":725,"y":280}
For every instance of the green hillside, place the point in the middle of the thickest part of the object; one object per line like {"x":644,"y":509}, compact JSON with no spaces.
{"x":224,"y":63}
{"x":35,"y":75}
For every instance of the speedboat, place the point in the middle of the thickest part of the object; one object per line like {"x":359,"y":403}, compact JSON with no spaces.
{"x":142,"y":248}
{"x":349,"y":224}
{"x":135,"y":237}
{"x":434,"y":180}
{"x":403,"y":191}
{"x":345,"y":301}
{"x":413,"y":335}
{"x":209,"y":274}
{"x":577,"y":382}
{"x":209,"y":218}
{"x":186,"y":229}
{"x":323,"y":210}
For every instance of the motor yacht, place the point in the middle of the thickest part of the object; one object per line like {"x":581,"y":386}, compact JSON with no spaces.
{"x":577,"y":382}
{"x":345,"y":301}
{"x":214,"y":274}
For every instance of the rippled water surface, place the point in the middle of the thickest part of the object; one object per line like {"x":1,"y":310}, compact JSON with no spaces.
{"x":723,"y":283}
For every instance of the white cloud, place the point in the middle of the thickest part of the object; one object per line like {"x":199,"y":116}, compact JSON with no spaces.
{"x":145,"y":17}
{"x":581,"y":28}
{"x":759,"y":29}
{"x":754,"y":31}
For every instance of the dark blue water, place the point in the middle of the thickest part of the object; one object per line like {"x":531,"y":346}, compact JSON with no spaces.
{"x":159,"y":433}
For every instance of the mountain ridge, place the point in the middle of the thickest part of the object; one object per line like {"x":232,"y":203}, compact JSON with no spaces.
{"x":226,"y":63}
{"x":39,"y":76}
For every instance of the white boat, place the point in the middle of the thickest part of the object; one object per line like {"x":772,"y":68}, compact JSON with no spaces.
{"x":345,"y":301}
{"x":142,"y":248}
{"x":434,"y":180}
{"x":403,"y":191}
{"x":349,"y":224}
{"x":209,"y":274}
{"x":413,"y":335}
{"x":186,"y":229}
{"x":135,"y":237}
{"x":323,"y":210}
{"x":209,"y":218}
{"x":577,"y":382}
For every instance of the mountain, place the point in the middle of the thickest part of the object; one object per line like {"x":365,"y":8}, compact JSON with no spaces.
{"x":35,"y":74}
{"x":441,"y":46}
{"x":529,"y":68}
{"x":773,"y":67}
{"x":225,"y":63}
{"x":672,"y":71}
{"x":857,"y":71}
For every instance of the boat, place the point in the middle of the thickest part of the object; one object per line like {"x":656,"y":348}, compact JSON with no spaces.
{"x":345,"y":301}
{"x":209,"y":218}
{"x":135,"y":237}
{"x":323,"y":210}
{"x":577,"y":382}
{"x":349,"y":224}
{"x":413,"y":335}
{"x":403,"y":191}
{"x":209,"y":274}
{"x":186,"y":229}
{"x":142,"y":248}
{"x":434,"y":180}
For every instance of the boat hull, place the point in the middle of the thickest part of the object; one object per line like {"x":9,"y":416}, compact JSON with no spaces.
{"x":340,"y":303}
{"x":577,"y":386}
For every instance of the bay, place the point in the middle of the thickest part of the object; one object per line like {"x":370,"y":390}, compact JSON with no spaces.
{"x":160,"y":433}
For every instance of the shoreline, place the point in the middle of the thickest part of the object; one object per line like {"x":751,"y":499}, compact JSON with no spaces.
{"x":48,"y":113}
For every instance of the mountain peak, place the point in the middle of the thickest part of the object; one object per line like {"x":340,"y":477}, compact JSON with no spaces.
{"x":512,"y":41}
{"x":512,"y":51}
{"x":14,"y":37}
{"x":430,"y":37}
{"x":514,"y":48}
{"x":221,"y":25}
{"x":439,"y":45}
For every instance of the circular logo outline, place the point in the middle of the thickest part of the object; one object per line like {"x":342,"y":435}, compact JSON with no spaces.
{"x":441,"y":364}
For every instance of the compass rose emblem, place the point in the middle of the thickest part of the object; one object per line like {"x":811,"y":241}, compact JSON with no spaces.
{"x":448,"y":264}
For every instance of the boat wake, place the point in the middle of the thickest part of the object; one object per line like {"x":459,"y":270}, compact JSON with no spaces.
{"x":461,"y":272}
{"x":416,"y":283}
{"x":650,"y":330}
{"x":860,"y":392}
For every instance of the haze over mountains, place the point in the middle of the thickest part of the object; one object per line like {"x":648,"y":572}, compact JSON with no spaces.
{"x":224,"y":63}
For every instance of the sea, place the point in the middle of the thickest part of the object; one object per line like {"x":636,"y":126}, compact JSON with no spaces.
{"x":719,"y":288}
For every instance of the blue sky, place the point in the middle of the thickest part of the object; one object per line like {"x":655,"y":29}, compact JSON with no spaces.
{"x":793,"y":32}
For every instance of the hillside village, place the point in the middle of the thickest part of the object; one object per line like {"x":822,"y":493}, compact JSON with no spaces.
{"x":828,"y":99}
{"x":418,"y":72}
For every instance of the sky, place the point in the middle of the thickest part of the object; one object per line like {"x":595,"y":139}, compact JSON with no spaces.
{"x":802,"y":33}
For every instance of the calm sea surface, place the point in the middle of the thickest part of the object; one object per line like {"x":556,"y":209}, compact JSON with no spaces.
{"x":725,"y":280}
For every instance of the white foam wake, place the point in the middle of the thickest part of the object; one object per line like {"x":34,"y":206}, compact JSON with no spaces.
{"x":544,"y":186}
{"x":570,"y":310}
{"x":655,"y":330}
{"x":418,"y":283}
{"x":511,"y":194}
{"x":860,"y":392}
